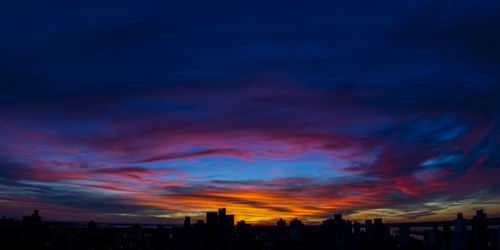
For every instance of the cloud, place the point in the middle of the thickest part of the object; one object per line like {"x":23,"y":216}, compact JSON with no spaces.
{"x":175,"y":156}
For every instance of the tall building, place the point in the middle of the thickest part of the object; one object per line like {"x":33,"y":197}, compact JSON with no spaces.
{"x":296,"y":228}
{"x":211,"y":230}
{"x":219,"y":230}
{"x":199,"y":232}
{"x":281,"y":232}
{"x":480,"y":231}
{"x":459,"y":237}
{"x":92,"y":230}
{"x":380,"y":235}
{"x":368,"y":229}
{"x":243,"y":235}
{"x":225,"y":230}
{"x":187,"y":222}
{"x":33,"y":231}
{"x":336,"y":233}
{"x":187,"y":234}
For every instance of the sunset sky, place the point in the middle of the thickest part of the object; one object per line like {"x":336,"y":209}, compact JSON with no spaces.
{"x":130,"y":111}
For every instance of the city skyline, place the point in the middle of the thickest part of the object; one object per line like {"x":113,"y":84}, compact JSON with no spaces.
{"x":150,"y":112}
{"x":188,"y":220}
{"x":219,"y":231}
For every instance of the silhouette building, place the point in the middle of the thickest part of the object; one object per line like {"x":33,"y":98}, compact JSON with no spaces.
{"x":220,"y":233}
{"x":219,"y":230}
{"x":281,"y":232}
{"x":243,"y":235}
{"x":92,"y":229}
{"x":225,"y":227}
{"x":368,"y":229}
{"x":296,"y":230}
{"x":198,"y":233}
{"x":459,"y":238}
{"x":480,"y":231}
{"x":380,"y":234}
{"x":336,"y":233}
{"x":187,"y":222}
{"x":32,"y":230}
{"x":211,"y":230}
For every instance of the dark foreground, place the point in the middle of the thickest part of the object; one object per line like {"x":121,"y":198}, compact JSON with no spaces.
{"x":219,"y":232}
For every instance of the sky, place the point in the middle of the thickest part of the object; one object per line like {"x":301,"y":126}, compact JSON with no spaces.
{"x":138,"y":111}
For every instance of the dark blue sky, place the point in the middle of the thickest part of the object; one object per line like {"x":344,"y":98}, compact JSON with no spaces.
{"x":201,"y":99}
{"x":80,"y":48}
